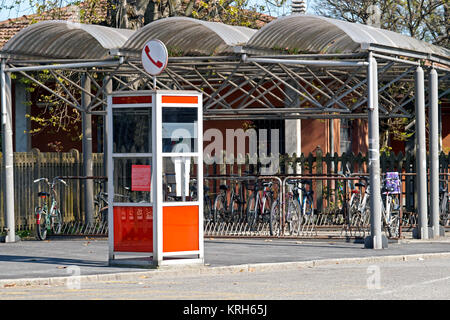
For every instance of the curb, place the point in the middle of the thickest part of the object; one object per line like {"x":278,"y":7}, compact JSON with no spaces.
{"x":168,"y":271}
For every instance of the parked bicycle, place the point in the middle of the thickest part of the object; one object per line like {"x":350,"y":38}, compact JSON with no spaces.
{"x":228,"y":204}
{"x":391,"y":204}
{"x":208,"y":213}
{"x":48,"y":219}
{"x":359,"y":206}
{"x":101,"y":204}
{"x":259,"y":204}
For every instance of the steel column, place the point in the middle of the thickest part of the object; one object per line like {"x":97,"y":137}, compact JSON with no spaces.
{"x":433,"y":114}
{"x":375,"y":240}
{"x":88,"y":169}
{"x":421,"y":231}
{"x":107,"y":89}
{"x":8,"y":155}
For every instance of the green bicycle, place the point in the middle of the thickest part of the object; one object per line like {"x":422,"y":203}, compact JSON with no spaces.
{"x":48,"y":220}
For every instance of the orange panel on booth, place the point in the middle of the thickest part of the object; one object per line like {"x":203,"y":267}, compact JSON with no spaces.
{"x":155,"y":177}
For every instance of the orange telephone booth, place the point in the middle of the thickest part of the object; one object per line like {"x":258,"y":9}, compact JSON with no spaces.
{"x":155,"y":177}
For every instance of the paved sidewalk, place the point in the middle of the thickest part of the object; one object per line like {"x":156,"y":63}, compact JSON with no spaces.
{"x":47,"y":261}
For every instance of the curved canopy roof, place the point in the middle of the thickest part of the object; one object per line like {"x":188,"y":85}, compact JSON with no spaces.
{"x":187,"y":36}
{"x":307,"y":33}
{"x":66,"y":40}
{"x":190,"y":36}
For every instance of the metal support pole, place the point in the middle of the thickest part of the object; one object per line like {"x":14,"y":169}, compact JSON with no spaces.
{"x":376,"y":240}
{"x":421,"y":231}
{"x":108,"y":86}
{"x":8,"y":154}
{"x":433,"y":114}
{"x":88,"y":169}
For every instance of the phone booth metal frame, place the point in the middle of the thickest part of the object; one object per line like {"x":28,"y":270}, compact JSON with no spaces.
{"x":155,"y":177}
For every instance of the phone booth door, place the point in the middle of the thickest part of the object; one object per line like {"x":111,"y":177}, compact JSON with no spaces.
{"x":179,"y":162}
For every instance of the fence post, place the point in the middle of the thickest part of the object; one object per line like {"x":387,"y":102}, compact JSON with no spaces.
{"x":319,"y":183}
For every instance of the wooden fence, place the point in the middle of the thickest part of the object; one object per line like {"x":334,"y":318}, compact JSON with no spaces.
{"x":29,"y":166}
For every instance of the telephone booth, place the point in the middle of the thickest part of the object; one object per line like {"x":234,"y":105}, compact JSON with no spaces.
{"x":155,"y":177}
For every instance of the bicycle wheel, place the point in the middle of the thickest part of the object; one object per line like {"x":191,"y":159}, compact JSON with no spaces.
{"x":266,"y":209}
{"x":103,"y":215}
{"x":353,"y":208}
{"x":444,"y":210}
{"x":308,"y":211}
{"x":207,"y":211}
{"x":219,"y":209}
{"x":41,"y":223}
{"x":293,"y":217}
{"x":275,"y":219}
{"x":394,"y":226}
{"x":251,"y":211}
{"x":56,"y":221}
{"x":235,"y":215}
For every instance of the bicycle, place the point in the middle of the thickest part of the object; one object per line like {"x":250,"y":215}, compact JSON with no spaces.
{"x":359,"y":206}
{"x":390,"y":205}
{"x":207,"y":208}
{"x":259,"y":204}
{"x":228,"y":210}
{"x":444,"y":206}
{"x":48,"y":220}
{"x":344,"y":212}
{"x":101,"y":204}
{"x":293,"y":213}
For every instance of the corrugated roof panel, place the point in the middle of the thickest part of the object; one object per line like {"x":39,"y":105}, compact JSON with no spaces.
{"x":64,"y":39}
{"x":191,"y":36}
{"x":324,"y":35}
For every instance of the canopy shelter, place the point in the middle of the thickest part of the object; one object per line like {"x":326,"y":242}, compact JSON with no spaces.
{"x":295,"y":67}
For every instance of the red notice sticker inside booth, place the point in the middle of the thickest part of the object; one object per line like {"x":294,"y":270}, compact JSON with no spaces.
{"x":133,"y":229}
{"x":141,"y":177}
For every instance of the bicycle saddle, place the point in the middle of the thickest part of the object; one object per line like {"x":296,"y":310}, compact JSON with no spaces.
{"x":223,"y":187}
{"x":360,"y":184}
{"x":43,"y":194}
{"x":305,"y":182}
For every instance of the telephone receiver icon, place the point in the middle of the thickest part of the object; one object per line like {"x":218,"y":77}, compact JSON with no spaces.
{"x":158,"y":63}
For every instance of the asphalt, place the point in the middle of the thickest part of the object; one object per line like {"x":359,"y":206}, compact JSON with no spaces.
{"x":32,"y":262}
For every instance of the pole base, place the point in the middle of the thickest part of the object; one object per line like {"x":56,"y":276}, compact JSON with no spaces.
{"x":368,"y":242}
{"x":439,"y":233}
{"x":6,"y":239}
{"x":417,"y":234}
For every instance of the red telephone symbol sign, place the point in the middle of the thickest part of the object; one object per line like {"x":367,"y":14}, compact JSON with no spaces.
{"x":154,"y":57}
{"x":158,"y":63}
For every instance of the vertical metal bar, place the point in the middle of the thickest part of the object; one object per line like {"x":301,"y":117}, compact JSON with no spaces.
{"x":433,"y":113}
{"x":87,"y":151}
{"x":421,"y":159}
{"x":8,"y":155}
{"x":107,"y":89}
{"x":375,"y":240}
{"x":157,"y":186}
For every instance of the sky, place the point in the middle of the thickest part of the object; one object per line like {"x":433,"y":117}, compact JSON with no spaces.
{"x":24,"y":9}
